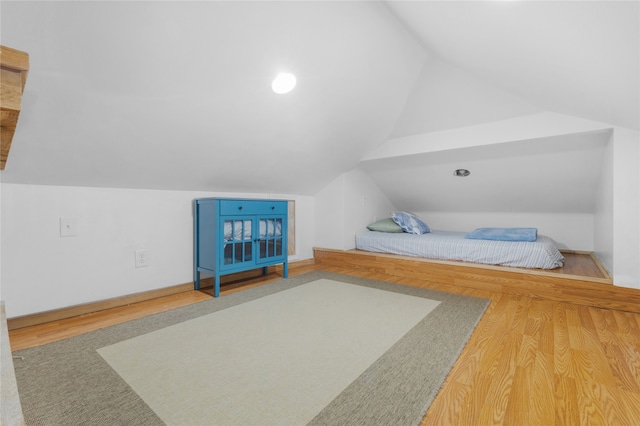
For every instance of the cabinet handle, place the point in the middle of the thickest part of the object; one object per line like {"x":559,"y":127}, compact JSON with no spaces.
{"x":273,"y":207}
{"x":240,"y":208}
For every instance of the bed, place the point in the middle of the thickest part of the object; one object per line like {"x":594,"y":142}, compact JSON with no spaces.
{"x":542,"y":253}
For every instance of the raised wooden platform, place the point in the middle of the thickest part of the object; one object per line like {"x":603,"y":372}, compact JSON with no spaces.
{"x":587,"y":285}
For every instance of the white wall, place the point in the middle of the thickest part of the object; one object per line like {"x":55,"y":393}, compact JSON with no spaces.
{"x":364,"y":203}
{"x":603,"y":218}
{"x":568,"y":230}
{"x":626,"y":208}
{"x":329,"y":213}
{"x":346,"y":206}
{"x":43,"y":271}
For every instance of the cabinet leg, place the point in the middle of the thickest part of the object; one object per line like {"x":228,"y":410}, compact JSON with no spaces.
{"x":216,"y":286}
{"x":285,"y":270}
{"x":265,"y":270}
{"x":196,"y":280}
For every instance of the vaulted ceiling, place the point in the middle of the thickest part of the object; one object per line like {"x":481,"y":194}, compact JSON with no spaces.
{"x":546,"y":175}
{"x":580,"y":58}
{"x":176,"y":95}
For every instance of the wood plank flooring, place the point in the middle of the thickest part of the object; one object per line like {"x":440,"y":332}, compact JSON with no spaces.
{"x":581,"y":264}
{"x":529,"y":361}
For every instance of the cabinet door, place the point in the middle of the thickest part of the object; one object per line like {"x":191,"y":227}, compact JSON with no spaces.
{"x":237,"y":244}
{"x":271,"y":238}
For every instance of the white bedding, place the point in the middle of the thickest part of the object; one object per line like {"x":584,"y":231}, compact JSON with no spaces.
{"x":241,"y":229}
{"x":447,"y":245}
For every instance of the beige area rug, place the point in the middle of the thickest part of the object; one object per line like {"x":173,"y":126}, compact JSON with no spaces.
{"x":278,"y":360}
{"x":318,"y":349}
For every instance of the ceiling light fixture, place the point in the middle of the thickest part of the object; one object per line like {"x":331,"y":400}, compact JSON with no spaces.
{"x":284,"y":83}
{"x":461,"y":172}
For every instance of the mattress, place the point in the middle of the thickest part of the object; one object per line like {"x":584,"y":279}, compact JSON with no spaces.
{"x":448,"y":245}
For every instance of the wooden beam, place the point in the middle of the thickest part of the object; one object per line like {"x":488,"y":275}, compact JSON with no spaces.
{"x":13,"y":58}
{"x":14,"y":67}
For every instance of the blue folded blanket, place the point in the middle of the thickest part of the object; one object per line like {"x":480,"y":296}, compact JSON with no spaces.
{"x":504,"y":234}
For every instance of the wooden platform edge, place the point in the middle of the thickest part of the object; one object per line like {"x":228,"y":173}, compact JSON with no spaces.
{"x":595,"y":260}
{"x":101,"y":305}
{"x":596,"y":292}
{"x":600,"y":266}
{"x":90,"y":307}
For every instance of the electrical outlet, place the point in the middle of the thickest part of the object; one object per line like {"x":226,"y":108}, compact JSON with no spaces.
{"x":142,"y":258}
{"x":67,"y":227}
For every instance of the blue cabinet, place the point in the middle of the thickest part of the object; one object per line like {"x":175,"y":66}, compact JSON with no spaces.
{"x":235,"y":235}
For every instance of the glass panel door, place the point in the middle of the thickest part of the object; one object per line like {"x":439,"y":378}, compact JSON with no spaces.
{"x":270,"y":238}
{"x":237,"y":241}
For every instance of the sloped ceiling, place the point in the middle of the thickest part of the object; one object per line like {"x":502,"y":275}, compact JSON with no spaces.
{"x":496,"y":62}
{"x":547,"y":175}
{"x":176,"y":95}
{"x":579,"y":58}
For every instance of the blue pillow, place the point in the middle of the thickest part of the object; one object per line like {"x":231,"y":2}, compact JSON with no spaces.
{"x":410,"y":223}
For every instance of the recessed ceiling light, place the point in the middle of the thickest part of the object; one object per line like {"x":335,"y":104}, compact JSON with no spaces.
{"x":461,"y":172}
{"x":284,"y":83}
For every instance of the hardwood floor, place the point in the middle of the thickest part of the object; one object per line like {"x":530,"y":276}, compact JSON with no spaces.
{"x":41,"y":334}
{"x":529,"y":361}
{"x":582,"y":264}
